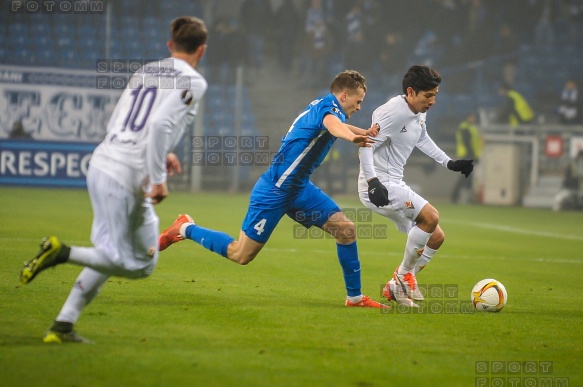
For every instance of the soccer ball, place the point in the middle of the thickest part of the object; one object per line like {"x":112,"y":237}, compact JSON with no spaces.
{"x":489,"y":295}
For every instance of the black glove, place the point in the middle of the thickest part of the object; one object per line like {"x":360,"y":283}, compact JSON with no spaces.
{"x":465,"y":167}
{"x":377,"y":193}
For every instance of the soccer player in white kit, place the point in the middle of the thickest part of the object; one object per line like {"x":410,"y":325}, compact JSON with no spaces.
{"x":127,"y":176}
{"x":402,"y":127}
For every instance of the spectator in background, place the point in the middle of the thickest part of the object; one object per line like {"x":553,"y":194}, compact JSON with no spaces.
{"x":314,"y":14}
{"x":255,"y":20}
{"x":544,"y":32}
{"x":317,"y":42}
{"x":428,"y":49}
{"x":448,"y":14}
{"x":318,"y":47}
{"x":391,"y":59}
{"x":355,"y":54}
{"x":476,"y":42}
{"x":515,"y":109}
{"x":571,"y":105}
{"x":226,"y":48}
{"x":506,"y":45}
{"x":571,"y":195}
{"x":286,"y":20}
{"x":468,"y":146}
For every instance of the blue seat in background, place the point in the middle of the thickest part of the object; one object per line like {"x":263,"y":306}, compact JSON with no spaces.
{"x":18,"y":28}
{"x":46,"y":57}
{"x":64,"y":42}
{"x":43,"y":41}
{"x":88,"y":31}
{"x":63,"y":31}
{"x":22,"y":56}
{"x":41,"y":28}
{"x":16,"y":41}
{"x":3,"y":54}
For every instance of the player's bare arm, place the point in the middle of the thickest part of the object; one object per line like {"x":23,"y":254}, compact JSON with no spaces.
{"x":371,"y":132}
{"x":340,"y":130}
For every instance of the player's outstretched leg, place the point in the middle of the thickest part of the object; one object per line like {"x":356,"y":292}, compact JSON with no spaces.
{"x":392,"y":292}
{"x":52,"y":252}
{"x":62,"y":332}
{"x":172,"y":234}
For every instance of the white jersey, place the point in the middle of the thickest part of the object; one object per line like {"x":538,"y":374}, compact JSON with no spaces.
{"x":161,"y":99}
{"x":400,"y":131}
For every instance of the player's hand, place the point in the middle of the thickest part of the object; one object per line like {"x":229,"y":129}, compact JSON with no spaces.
{"x":362,"y":140}
{"x":465,"y":167}
{"x":373,"y":130}
{"x":158,"y":193}
{"x":173,"y":164}
{"x":377,"y":193}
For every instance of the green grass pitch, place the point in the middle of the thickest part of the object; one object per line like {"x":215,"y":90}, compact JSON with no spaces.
{"x":201,"y":320}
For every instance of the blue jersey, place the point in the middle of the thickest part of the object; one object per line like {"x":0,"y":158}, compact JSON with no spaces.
{"x":305,"y":145}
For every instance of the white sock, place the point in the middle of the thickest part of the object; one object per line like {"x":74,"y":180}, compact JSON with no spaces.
{"x":354,"y":299}
{"x":416,"y":241}
{"x":84,"y":291}
{"x":183,"y":229}
{"x":424,"y":259}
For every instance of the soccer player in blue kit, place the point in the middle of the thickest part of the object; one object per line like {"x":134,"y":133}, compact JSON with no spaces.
{"x":285,"y":188}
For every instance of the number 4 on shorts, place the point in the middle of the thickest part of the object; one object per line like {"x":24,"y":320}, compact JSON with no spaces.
{"x":260,"y":226}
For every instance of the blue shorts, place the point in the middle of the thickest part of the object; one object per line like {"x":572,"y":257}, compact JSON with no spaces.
{"x":267,"y":205}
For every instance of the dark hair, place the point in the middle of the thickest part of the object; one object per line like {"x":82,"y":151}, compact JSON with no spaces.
{"x":348,"y":80}
{"x":421,"y":78}
{"x":188,"y":33}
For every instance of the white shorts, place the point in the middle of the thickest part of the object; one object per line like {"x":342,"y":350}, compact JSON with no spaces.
{"x":125,"y":226}
{"x":405,"y":204}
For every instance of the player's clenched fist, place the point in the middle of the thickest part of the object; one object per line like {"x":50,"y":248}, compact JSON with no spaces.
{"x":377,"y":193}
{"x":465,"y":167}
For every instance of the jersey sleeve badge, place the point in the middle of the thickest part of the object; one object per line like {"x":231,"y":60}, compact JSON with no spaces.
{"x":186,"y":97}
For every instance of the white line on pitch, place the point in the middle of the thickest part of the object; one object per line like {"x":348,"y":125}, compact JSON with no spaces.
{"x":521,"y":231}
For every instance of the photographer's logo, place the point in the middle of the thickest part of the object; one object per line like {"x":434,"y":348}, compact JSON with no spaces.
{"x":57,"y":7}
{"x":517,"y":374}
{"x":216,"y":151}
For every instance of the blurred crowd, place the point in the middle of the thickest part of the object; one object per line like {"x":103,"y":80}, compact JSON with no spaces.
{"x":381,"y":38}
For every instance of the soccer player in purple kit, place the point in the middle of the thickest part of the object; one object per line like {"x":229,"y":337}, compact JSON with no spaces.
{"x":127,"y":176}
{"x":285,"y":188}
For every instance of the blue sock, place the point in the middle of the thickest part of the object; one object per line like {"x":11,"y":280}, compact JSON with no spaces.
{"x":215,"y":241}
{"x":348,"y":257}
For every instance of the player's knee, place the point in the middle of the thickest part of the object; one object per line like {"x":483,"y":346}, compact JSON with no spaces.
{"x":438,"y":237}
{"x":428,"y":220}
{"x":433,"y":219}
{"x":242,"y":258}
{"x":346,"y":233}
